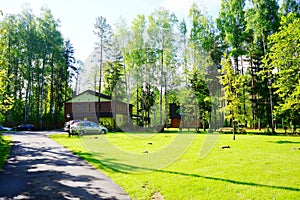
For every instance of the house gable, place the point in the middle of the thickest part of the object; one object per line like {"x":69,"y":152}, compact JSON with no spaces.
{"x":89,"y":96}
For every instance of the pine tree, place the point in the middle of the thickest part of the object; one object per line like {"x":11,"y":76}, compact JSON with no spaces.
{"x":104,"y":33}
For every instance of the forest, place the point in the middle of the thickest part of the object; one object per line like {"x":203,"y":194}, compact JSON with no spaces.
{"x":36,"y":66}
{"x":241,"y":69}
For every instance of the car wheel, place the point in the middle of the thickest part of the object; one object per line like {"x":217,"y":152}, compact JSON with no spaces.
{"x":81,"y":132}
{"x":102,"y":131}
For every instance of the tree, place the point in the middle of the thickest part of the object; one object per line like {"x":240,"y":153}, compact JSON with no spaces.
{"x":34,"y":63}
{"x":262,"y":20}
{"x":29,"y":40}
{"x":162,"y":39}
{"x":104,"y":32}
{"x":234,"y":90}
{"x":204,"y":57}
{"x":184,"y":49}
{"x":6,"y":101}
{"x":231,"y":23}
{"x":50,"y":41}
{"x":112,"y":77}
{"x":71,"y":69}
{"x":8,"y":67}
{"x":202,"y":93}
{"x":147,"y":96}
{"x":120,"y":45}
{"x":201,"y":41}
{"x":136,"y":57}
{"x":75,"y":74}
{"x":290,"y":6}
{"x":189,"y":108}
{"x":284,"y":59}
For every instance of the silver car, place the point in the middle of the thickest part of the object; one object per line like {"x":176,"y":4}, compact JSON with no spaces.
{"x":87,"y":127}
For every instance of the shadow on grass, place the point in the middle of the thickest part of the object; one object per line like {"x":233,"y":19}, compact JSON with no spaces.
{"x":104,"y":164}
{"x":113,"y":166}
{"x":232,"y":181}
{"x":285,"y":142}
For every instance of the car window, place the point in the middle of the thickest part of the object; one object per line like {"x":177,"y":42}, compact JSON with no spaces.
{"x":78,"y":124}
{"x":93,"y":124}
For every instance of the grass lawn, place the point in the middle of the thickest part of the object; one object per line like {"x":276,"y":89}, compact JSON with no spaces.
{"x":254,"y":167}
{"x":5,"y":146}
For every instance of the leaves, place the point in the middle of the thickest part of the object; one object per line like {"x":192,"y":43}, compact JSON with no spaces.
{"x":284,"y":59}
{"x":36,"y":72}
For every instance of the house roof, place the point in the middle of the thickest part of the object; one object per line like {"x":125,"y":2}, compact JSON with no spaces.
{"x":97,"y":94}
{"x":89,"y":96}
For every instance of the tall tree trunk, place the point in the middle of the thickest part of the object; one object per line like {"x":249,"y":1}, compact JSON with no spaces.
{"x":100,"y":79}
{"x":252,"y":95}
{"x":127,"y":96}
{"x":161,"y":87}
{"x":166,"y":102}
{"x":27,"y":93}
{"x":52,"y":92}
{"x":236,"y":63}
{"x":270,"y":89}
{"x":42,"y":97}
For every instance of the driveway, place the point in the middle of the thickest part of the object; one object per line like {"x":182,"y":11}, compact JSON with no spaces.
{"x":40,"y":168}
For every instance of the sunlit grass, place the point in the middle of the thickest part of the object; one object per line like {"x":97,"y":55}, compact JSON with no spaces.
{"x":5,"y":146}
{"x":254,"y":167}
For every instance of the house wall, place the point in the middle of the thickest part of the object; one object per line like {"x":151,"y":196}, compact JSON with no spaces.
{"x":88,"y":111}
{"x":175,"y":123}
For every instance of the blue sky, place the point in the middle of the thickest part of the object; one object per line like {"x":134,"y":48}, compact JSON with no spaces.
{"x":77,"y":17}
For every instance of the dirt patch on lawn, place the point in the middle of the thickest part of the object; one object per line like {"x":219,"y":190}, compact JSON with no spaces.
{"x":157,"y":196}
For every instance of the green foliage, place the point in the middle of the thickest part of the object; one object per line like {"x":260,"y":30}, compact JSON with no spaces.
{"x":147,"y":95}
{"x":284,"y":60}
{"x":263,"y":21}
{"x":37,"y":64}
{"x":37,"y":72}
{"x":235,"y":94}
{"x":202,"y":31}
{"x":200,"y":88}
{"x":5,"y":146}
{"x":112,"y":78}
{"x":201,"y":41}
{"x":231,"y":23}
{"x":189,"y":107}
{"x":6,"y":101}
{"x":290,"y":6}
{"x":104,"y":33}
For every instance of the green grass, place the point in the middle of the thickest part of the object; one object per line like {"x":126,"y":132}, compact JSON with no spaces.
{"x":254,"y":167}
{"x":5,"y":146}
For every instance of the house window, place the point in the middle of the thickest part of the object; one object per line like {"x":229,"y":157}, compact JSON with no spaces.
{"x":78,"y":107}
{"x":90,"y":108}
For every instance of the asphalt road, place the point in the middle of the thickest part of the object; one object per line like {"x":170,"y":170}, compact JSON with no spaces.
{"x":40,"y":168}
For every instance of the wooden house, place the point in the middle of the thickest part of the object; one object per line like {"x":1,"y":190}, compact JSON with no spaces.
{"x":84,"y":106}
{"x":178,"y":118}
